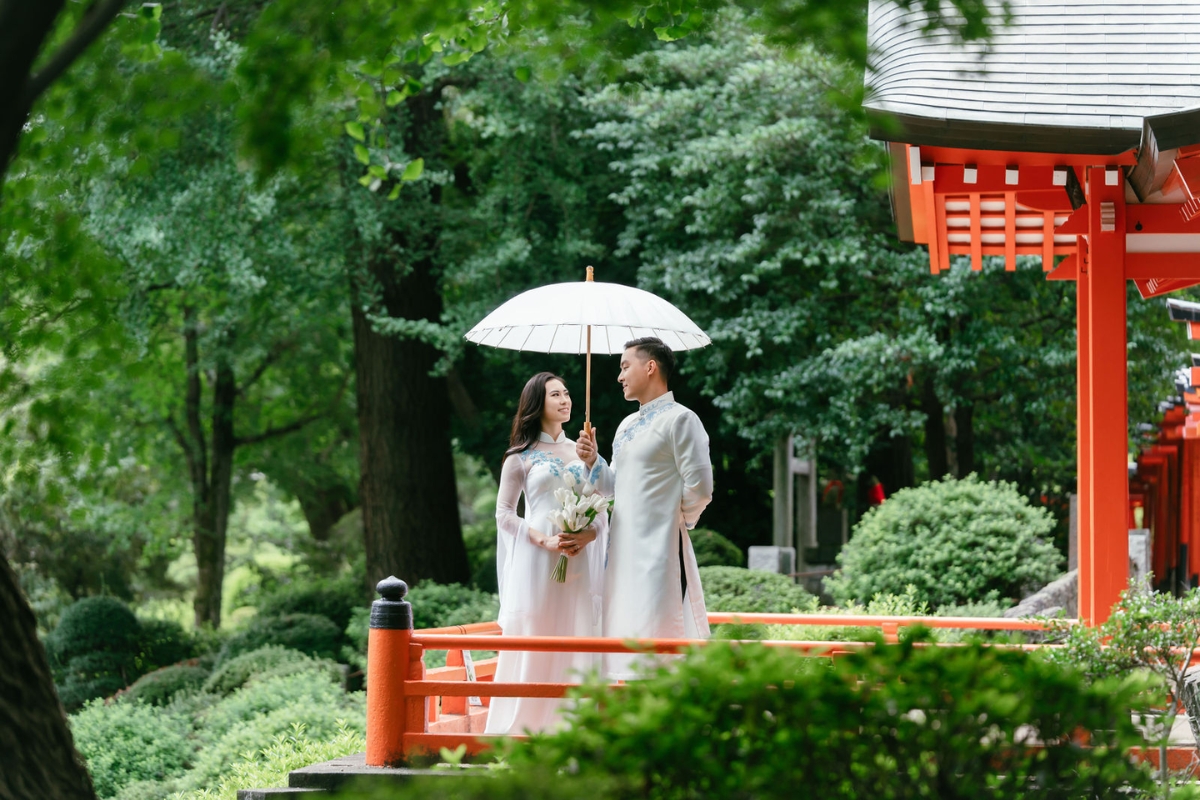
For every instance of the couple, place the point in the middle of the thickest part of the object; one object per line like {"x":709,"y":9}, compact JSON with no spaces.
{"x":635,"y":578}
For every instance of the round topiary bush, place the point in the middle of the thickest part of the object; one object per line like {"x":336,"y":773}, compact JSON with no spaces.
{"x":955,"y":541}
{"x":714,"y":550}
{"x":335,"y":599}
{"x":158,"y":687}
{"x":272,"y":661}
{"x":94,"y":650}
{"x":309,"y":633}
{"x":752,"y":591}
{"x":162,"y":643}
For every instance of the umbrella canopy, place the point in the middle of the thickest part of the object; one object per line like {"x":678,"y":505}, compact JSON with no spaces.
{"x":585,"y":317}
{"x":555,"y":319}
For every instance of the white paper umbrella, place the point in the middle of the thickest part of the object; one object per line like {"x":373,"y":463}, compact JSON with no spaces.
{"x":582,"y":317}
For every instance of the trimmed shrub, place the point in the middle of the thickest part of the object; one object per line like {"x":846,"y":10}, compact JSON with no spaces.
{"x":123,"y":742}
{"x":437,"y":605}
{"x":334,"y":599}
{"x":752,"y":591}
{"x":309,"y":633}
{"x":238,"y":671}
{"x":714,"y":550}
{"x":896,"y":722}
{"x":251,"y":718}
{"x":162,"y":643}
{"x":956,"y":541}
{"x":94,"y":650}
{"x":159,"y":687}
{"x":270,"y":765}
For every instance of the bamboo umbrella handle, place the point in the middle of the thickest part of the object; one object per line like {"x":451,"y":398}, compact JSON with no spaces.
{"x":587,"y":401}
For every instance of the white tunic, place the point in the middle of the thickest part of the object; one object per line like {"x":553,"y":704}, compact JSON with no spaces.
{"x":660,"y":481}
{"x":531,"y":603}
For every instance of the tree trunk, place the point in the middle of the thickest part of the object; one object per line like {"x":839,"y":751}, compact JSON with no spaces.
{"x":37,"y":754}
{"x":964,"y":438}
{"x":323,"y":506}
{"x":408,"y":494}
{"x":935,"y":432}
{"x":211,"y":576}
{"x":23,"y":30}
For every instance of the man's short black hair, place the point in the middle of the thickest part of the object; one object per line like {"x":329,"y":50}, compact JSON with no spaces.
{"x":651,"y":347}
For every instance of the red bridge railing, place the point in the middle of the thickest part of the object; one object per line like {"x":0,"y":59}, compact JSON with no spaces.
{"x":411,"y":709}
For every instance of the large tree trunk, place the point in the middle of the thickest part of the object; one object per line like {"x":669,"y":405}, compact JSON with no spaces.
{"x":935,"y":432}
{"x":407,"y":492}
{"x":37,"y":755}
{"x":407,"y":489}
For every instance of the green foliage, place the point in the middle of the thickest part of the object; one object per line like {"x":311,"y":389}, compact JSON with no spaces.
{"x":94,"y":650}
{"x":125,"y":741}
{"x":163,"y":642}
{"x":439,"y":605}
{"x":753,"y":591}
{"x":251,"y":718}
{"x":269,"y":766}
{"x":956,"y":541}
{"x":1147,"y":631}
{"x":308,"y":633}
{"x":271,"y":659}
{"x":532,"y":781}
{"x":334,"y":599}
{"x":898,"y":722}
{"x":357,"y":632}
{"x":160,"y":686}
{"x":714,"y":550}
{"x":902,"y":605}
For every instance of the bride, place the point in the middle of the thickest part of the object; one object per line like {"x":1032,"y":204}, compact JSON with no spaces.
{"x":527,"y":549}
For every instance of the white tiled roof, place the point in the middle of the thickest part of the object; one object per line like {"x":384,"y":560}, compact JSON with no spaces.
{"x":1066,"y":76}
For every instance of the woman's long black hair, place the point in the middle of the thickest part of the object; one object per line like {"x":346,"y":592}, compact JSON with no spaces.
{"x":527,"y":424}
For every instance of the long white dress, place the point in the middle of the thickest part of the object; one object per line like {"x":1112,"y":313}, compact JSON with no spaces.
{"x":660,"y":479}
{"x":531,"y":603}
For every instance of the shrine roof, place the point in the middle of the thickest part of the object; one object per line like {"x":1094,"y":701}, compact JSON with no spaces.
{"x":1067,"y":76}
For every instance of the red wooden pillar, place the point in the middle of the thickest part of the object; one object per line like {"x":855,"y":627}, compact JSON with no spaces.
{"x":1107,"y":386}
{"x":1083,"y":430}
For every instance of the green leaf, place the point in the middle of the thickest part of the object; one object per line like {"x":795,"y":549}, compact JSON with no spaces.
{"x":151,"y":10}
{"x":395,"y":192}
{"x":478,"y":41}
{"x":362,"y":154}
{"x":355,"y":129}
{"x":413,"y":170}
{"x":523,"y":74}
{"x":365,"y":180}
{"x":424,"y":53}
{"x":456,"y":58}
{"x":394,"y":98}
{"x":377,"y":170}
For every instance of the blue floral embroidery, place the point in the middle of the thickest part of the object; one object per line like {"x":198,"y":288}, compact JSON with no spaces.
{"x":536,"y":457}
{"x":644,"y":419}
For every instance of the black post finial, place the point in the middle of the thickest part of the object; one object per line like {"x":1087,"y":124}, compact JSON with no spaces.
{"x":392,"y":611}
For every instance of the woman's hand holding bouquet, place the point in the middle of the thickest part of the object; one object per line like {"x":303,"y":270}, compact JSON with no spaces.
{"x":580,"y":505}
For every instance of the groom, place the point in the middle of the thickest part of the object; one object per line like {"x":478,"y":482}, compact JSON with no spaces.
{"x":660,"y":479}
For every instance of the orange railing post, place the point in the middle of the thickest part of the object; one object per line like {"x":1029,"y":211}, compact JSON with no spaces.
{"x":389,"y":646}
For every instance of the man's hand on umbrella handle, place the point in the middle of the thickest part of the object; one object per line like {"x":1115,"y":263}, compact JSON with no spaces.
{"x":585,"y":447}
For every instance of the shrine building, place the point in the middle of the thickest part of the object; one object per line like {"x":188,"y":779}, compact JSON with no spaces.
{"x":1073,"y":135}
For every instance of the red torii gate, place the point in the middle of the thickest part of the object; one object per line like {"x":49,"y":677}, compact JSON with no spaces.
{"x":1166,"y":485}
{"x":1014,"y":150}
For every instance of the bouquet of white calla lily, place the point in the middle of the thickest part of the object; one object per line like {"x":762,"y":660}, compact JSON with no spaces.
{"x":580,"y":505}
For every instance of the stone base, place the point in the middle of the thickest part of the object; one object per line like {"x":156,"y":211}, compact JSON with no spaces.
{"x":773,"y":559}
{"x":340,"y":773}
